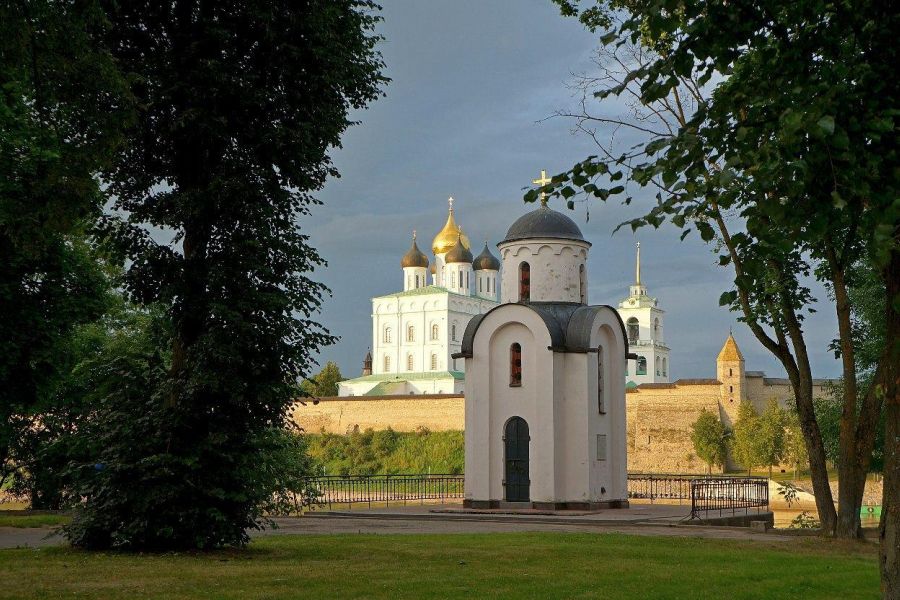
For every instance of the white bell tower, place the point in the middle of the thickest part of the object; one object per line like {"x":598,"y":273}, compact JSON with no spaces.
{"x":644,"y":325}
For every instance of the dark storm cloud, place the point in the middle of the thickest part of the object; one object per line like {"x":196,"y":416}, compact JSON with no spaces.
{"x":465,"y":115}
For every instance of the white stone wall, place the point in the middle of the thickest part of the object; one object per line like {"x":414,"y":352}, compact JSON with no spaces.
{"x":555,"y":264}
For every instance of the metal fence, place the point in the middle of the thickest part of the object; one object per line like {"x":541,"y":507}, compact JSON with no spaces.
{"x":728,"y":494}
{"x":704,"y":492}
{"x":384,"y":489}
{"x":661,"y":486}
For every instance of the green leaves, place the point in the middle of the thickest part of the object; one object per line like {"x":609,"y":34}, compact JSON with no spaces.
{"x":826,"y":124}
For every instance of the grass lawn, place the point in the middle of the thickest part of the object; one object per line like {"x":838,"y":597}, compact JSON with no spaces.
{"x":509,"y":565}
{"x":18,"y":520}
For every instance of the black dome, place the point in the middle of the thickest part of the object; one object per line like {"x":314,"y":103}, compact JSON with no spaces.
{"x":414,"y":258}
{"x":486,"y":260}
{"x":543,"y":223}
{"x":458,"y":253}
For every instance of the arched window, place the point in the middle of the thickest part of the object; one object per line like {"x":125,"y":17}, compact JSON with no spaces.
{"x":409,"y":362}
{"x":664,"y":368}
{"x":410,"y":333}
{"x":730,"y":373}
{"x":658,"y":372}
{"x":641,"y":366}
{"x":524,"y":282}
{"x":601,"y":407}
{"x":634,"y":330}
{"x":417,"y":281}
{"x":656,"y":329}
{"x":453,"y":332}
{"x":434,"y":362}
{"x":480,"y":284}
{"x":460,"y":280}
{"x":387,"y":335}
{"x":434,"y":331}
{"x":515,"y":365}
{"x":582,"y":284}
{"x":387,"y":364}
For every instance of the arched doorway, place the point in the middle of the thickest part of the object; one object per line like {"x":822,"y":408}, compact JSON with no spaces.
{"x":515,"y":443}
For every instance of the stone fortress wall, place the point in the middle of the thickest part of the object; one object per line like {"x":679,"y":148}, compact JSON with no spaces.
{"x":658,"y":415}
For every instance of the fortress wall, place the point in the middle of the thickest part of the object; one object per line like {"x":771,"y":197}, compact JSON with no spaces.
{"x":659,"y":427}
{"x":658,"y":418}
{"x":438,"y":412}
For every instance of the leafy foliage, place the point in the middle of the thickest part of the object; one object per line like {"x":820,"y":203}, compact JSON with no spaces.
{"x":388,"y":452}
{"x":239,"y":104}
{"x":62,"y":105}
{"x":324,"y":383}
{"x":710,"y":439}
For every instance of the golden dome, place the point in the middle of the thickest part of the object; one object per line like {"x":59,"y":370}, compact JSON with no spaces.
{"x":447,"y":237}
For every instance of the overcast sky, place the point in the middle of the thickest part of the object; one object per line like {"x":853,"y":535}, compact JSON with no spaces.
{"x":465,"y":115}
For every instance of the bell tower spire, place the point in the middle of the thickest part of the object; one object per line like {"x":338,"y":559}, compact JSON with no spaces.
{"x":638,"y":289}
{"x":637,"y":269}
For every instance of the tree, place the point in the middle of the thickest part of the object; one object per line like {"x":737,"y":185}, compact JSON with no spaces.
{"x":811,"y":180}
{"x":710,"y":439}
{"x":794,"y":444}
{"x":746,"y":441}
{"x":62,"y":108}
{"x":240,"y":103}
{"x":324,"y":383}
{"x":771,"y":434}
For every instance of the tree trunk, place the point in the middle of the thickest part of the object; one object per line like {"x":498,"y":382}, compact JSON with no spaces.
{"x":801,"y":380}
{"x":857,"y":431}
{"x":889,"y":530}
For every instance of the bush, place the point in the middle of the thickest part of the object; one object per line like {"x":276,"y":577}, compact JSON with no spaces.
{"x":387,"y":452}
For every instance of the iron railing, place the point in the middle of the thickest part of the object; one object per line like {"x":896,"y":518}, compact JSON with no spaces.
{"x":728,"y":493}
{"x":660,"y":486}
{"x":328,"y":490}
{"x":705,"y":492}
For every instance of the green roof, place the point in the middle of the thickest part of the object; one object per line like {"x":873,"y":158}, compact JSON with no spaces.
{"x":424,"y":291}
{"x":386,"y":388}
{"x":401,"y":377}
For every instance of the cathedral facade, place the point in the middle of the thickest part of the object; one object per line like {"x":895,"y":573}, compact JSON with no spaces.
{"x":415,"y":331}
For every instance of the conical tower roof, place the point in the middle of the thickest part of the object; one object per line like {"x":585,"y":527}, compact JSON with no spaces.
{"x":730,"y":351}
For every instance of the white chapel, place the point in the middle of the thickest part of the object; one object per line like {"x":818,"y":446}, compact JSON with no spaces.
{"x":545,"y":396}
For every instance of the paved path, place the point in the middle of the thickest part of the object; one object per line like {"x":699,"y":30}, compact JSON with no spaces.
{"x":661,"y":520}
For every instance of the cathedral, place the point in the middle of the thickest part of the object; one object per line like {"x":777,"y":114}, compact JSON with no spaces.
{"x":416,"y":331}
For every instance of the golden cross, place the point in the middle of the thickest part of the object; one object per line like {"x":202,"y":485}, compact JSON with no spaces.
{"x":450,"y":202}
{"x":544,"y":180}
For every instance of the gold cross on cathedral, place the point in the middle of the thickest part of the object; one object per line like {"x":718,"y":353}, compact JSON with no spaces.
{"x":544,"y":180}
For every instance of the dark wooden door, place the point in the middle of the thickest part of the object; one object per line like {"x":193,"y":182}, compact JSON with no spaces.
{"x":515,"y":441}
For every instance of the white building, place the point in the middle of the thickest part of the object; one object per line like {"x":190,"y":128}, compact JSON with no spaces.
{"x":644,"y":323}
{"x":545,"y":396}
{"x":414,"y":332}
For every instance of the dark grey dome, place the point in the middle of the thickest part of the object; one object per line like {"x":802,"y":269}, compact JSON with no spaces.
{"x":414,"y":258}
{"x":486,"y":260}
{"x":543,"y":222}
{"x":458,"y":253}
